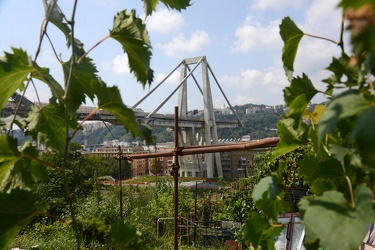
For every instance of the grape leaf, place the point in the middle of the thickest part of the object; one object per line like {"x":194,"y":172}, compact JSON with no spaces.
{"x":19,"y":175}
{"x":347,"y":104}
{"x":293,"y":134}
{"x":55,"y":16}
{"x":43,"y":75}
{"x":14,"y":69}
{"x":364,"y":129}
{"x":149,"y":6}
{"x":109,"y":98}
{"x":37,"y":169}
{"x":345,"y":155}
{"x":47,"y":126}
{"x":9,"y":155}
{"x":330,"y":219}
{"x":176,"y":4}
{"x":7,"y":122}
{"x":363,"y":133}
{"x":259,"y":232}
{"x":318,"y":113}
{"x":16,"y":211}
{"x":312,"y":169}
{"x":84,"y":82}
{"x":133,"y":36}
{"x":291,"y":36}
{"x":299,"y":94}
{"x":267,"y":195}
{"x":340,"y":67}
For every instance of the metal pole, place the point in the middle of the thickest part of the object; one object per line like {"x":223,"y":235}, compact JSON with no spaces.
{"x":175,"y":176}
{"x":289,"y":235}
{"x":262,"y":143}
{"x":195,"y":210}
{"x":119,"y":179}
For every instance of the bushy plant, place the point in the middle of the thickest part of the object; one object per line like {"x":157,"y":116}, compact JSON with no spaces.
{"x":53,"y":125}
{"x":340,"y":172}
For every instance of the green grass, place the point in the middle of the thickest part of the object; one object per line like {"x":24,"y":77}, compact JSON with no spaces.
{"x":152,"y":179}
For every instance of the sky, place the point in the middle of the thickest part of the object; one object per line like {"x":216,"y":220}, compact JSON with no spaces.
{"x":240,"y":40}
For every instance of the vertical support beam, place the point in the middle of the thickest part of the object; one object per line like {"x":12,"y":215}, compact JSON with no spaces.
{"x":182,"y":93}
{"x":186,"y":136}
{"x":175,"y":177}
{"x":210,"y":125}
{"x":119,"y":179}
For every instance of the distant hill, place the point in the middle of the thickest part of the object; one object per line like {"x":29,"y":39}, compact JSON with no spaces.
{"x":259,"y":122}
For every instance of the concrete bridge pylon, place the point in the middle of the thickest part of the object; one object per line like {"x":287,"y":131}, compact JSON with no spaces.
{"x":208,"y":165}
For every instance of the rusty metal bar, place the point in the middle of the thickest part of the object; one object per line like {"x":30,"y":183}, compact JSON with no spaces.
{"x":119,"y":179}
{"x":289,"y":233}
{"x":262,"y":143}
{"x":175,"y":176}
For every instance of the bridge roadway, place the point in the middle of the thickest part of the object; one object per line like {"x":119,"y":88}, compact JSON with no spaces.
{"x":157,"y":120}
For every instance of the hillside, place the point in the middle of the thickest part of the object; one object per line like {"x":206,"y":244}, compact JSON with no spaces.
{"x":259,"y":124}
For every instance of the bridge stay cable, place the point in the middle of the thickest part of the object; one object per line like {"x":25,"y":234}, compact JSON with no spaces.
{"x":222,"y":92}
{"x":157,"y":86}
{"x":195,"y":80}
{"x":174,"y":91}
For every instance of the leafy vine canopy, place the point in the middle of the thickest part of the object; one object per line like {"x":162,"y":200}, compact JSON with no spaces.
{"x":340,"y":172}
{"x":54,"y":124}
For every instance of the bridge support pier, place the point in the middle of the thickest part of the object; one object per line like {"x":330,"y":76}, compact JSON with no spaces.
{"x":212,"y":161}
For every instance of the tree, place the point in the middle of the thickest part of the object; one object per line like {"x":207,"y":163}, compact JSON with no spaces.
{"x":340,"y":172}
{"x":155,"y":165}
{"x":54,"y":125}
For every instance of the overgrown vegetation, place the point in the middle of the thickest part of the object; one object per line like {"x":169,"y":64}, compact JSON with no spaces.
{"x":340,"y":138}
{"x":54,"y":125}
{"x":340,"y":171}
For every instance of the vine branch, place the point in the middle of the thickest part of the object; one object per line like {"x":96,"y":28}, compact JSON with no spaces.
{"x":323,"y":38}
{"x":351,"y":191}
{"x":43,"y":162}
{"x":93,"y":47}
{"x":67,"y":119}
{"x":86,"y":118}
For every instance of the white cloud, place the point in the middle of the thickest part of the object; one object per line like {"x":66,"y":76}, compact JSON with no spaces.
{"x":242,"y":99}
{"x":165,"y":21}
{"x":252,"y":34}
{"x":324,"y":18}
{"x":254,"y":81}
{"x":275,"y":80}
{"x":196,"y":42}
{"x":172,"y":79}
{"x":277,"y":4}
{"x":245,"y":80}
{"x":119,"y":65}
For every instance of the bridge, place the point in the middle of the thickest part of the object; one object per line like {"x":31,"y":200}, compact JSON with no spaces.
{"x":194,"y":130}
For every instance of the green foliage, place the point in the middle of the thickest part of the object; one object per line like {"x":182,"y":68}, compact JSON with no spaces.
{"x":14,"y":215}
{"x":9,"y":81}
{"x":340,"y":169}
{"x":54,"y":125}
{"x":332,"y":208}
{"x":133,"y":36}
{"x":291,"y":36}
{"x":155,"y":165}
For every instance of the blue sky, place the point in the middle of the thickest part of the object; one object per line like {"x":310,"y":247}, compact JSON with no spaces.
{"x":240,"y":40}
